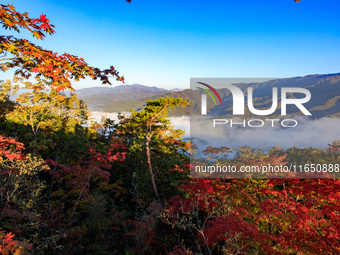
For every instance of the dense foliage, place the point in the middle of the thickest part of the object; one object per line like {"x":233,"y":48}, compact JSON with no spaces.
{"x":69,"y":186}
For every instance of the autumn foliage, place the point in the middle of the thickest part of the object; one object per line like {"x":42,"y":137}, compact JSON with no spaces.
{"x":29,"y":59}
{"x":276,"y":216}
{"x":69,"y":186}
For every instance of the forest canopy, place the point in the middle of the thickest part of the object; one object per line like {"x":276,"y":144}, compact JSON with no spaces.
{"x":72,"y":186}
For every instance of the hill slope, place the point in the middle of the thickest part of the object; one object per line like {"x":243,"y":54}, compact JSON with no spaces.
{"x":325,"y":91}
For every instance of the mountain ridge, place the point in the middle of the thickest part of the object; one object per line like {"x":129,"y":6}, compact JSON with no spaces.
{"x":121,"y":89}
{"x":325,"y":90}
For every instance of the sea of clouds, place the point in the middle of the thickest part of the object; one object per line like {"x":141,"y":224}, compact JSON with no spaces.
{"x":308,"y":133}
{"x":178,"y":122}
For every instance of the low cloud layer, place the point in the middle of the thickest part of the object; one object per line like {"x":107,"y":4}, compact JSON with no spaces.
{"x":178,"y":122}
{"x":308,"y":133}
{"x":97,"y":116}
{"x":182,"y":123}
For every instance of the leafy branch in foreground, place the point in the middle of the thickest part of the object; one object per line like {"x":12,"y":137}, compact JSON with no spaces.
{"x":29,"y":59}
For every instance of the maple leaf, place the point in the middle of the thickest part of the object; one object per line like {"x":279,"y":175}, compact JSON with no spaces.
{"x":44,"y":26}
{"x":43,"y":18}
{"x":8,"y":237}
{"x":35,"y":70}
{"x":12,"y":156}
{"x":121,"y":79}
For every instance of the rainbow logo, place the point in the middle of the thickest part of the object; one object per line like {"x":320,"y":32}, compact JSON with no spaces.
{"x":209,"y":93}
{"x":204,"y":97}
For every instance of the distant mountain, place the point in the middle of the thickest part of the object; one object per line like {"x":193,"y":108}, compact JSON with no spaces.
{"x":121,"y":89}
{"x":99,"y":96}
{"x":324,"y":88}
{"x":175,"y":89}
{"x":139,"y":103}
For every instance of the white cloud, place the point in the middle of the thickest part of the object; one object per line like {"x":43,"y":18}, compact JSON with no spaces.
{"x":97,"y":116}
{"x":308,"y":133}
{"x":178,"y":122}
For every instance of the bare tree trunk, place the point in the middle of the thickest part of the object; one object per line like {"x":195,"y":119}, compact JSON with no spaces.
{"x":148,"y":158}
{"x":148,"y":135}
{"x":35,"y":131}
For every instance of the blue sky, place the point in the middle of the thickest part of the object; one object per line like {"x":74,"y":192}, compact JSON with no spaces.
{"x":165,"y":43}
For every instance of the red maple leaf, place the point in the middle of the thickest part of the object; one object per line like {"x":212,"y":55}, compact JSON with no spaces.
{"x":43,"y":18}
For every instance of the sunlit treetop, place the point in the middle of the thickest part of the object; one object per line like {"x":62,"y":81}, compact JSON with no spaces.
{"x":29,"y":59}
